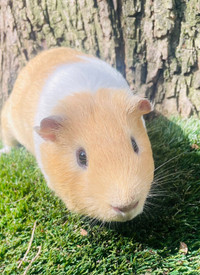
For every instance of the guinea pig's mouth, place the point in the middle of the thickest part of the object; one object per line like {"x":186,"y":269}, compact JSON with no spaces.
{"x":126,"y":213}
{"x":124,"y":217}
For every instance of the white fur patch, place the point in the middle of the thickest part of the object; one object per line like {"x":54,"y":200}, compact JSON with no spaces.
{"x":89,"y":75}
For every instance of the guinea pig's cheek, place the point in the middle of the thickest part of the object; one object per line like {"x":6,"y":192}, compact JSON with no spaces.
{"x":60,"y":175}
{"x":140,"y":207}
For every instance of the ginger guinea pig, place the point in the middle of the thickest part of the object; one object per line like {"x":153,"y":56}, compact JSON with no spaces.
{"x":77,"y":115}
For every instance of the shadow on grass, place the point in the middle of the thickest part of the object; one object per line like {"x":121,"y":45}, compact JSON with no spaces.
{"x":172,"y":212}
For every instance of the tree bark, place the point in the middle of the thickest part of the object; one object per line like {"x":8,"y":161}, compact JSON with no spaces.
{"x":154,"y":43}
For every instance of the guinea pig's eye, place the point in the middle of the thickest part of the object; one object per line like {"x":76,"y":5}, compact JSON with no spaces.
{"x":134,"y":145}
{"x":81,"y":158}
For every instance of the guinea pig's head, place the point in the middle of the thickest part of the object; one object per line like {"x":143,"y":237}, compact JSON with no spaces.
{"x":97,"y":155}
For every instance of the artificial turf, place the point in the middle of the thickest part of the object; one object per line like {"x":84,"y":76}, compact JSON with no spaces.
{"x":165,"y":239}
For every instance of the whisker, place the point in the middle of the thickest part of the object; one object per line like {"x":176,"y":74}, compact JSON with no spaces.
{"x":147,"y":211}
{"x":169,"y":161}
{"x":168,"y":175}
{"x":158,"y":194}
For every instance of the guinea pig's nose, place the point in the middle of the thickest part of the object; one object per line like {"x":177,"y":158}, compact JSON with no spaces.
{"x":127,"y":208}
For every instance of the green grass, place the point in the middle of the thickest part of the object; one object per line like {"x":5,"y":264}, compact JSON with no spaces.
{"x":147,"y":245}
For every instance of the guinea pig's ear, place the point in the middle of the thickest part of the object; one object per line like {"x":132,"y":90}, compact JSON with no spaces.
{"x":49,"y":127}
{"x":141,"y":106}
{"x":144,"y":106}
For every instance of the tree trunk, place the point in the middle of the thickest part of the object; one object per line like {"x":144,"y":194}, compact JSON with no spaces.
{"x":154,"y":43}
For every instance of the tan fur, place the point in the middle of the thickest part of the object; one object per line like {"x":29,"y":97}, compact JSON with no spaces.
{"x":19,"y":111}
{"x":102,"y":123}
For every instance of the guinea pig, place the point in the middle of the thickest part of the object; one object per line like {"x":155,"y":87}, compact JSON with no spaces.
{"x":78,"y":117}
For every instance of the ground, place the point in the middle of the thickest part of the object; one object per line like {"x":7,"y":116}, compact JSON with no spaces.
{"x":163,"y":240}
